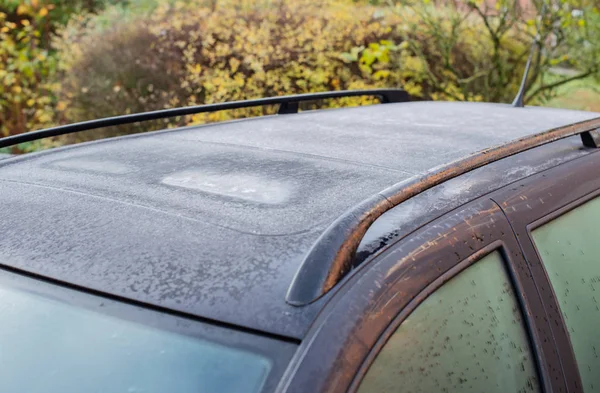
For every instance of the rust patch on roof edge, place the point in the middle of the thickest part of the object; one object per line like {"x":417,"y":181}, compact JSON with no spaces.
{"x":400,"y":192}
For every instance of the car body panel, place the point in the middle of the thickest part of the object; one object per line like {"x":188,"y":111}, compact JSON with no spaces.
{"x":213,"y":221}
{"x":425,"y":207}
{"x":355,"y":325}
{"x":371,"y":303}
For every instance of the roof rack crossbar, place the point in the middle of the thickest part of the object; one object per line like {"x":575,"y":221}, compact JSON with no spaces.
{"x":288,"y":104}
{"x":331,"y":257}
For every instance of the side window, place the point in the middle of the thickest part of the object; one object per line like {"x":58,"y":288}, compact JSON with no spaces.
{"x":467,"y":336}
{"x":569,"y":247}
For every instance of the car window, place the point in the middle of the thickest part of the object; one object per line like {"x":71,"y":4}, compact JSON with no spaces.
{"x":569,"y":247}
{"x":52,"y":340}
{"x":467,"y":336}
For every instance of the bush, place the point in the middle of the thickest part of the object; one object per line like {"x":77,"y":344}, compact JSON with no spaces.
{"x":141,"y":55}
{"x":445,"y":55}
{"x":185,"y":54}
{"x":214,"y":51}
{"x":28,"y":63}
{"x":25,"y":67}
{"x":476,"y":50}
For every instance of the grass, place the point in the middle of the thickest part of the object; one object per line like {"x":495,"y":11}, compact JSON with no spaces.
{"x":583,"y":94}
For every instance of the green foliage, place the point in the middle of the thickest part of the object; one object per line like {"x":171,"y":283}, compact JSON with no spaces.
{"x":69,"y":60}
{"x":193,"y":53}
{"x":569,"y":38}
{"x":25,"y":68}
{"x":28,"y":62}
{"x":582,"y":94}
{"x":477,"y":50}
{"x":61,"y":9}
{"x":443,"y":55}
{"x":206,"y":51}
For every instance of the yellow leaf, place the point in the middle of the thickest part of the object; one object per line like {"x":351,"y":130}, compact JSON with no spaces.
{"x":25,"y":22}
{"x":22,"y":9}
{"x":61,"y":106}
{"x":43,"y":12}
{"x":30,"y":102}
{"x":5,"y":29}
{"x":35,"y":3}
{"x":234,"y":64}
{"x":16,"y":89}
{"x":44,"y":118}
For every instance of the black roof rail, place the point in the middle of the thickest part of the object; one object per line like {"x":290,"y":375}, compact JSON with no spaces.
{"x":287,"y":104}
{"x":331,"y":257}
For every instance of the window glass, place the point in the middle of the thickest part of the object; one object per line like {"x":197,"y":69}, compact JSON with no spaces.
{"x":570,"y":249}
{"x":468,"y":336}
{"x":49,"y":343}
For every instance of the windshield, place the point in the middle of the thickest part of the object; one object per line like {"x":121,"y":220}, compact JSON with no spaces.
{"x":54,"y":342}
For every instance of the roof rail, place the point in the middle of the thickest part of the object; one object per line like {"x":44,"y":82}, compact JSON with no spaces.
{"x":331,"y":257}
{"x":287,"y":104}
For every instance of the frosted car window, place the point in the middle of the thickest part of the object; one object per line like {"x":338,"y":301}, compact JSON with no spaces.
{"x":48,"y":345}
{"x":569,"y":246}
{"x":467,"y":336}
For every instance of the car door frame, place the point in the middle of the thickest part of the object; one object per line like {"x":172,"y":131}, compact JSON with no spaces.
{"x":531,"y":203}
{"x":373,"y":301}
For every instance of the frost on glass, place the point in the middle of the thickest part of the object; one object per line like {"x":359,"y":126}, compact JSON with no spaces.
{"x":49,"y":346}
{"x":570,"y":249}
{"x":468,"y":336}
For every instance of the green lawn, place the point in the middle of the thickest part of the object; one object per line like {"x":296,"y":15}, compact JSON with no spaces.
{"x":583,"y":94}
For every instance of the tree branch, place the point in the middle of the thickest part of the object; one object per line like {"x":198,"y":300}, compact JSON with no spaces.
{"x":486,"y":21}
{"x":561,"y":82}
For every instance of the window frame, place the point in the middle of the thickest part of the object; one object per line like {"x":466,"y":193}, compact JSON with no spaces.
{"x":534,"y":201}
{"x":370,"y":304}
{"x":496,"y":246}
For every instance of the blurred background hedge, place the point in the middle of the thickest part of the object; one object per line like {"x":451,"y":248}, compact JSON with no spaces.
{"x":63,"y":61}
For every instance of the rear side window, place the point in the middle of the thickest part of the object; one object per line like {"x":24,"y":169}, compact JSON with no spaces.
{"x":569,"y":246}
{"x":467,"y":336}
{"x":54,"y":339}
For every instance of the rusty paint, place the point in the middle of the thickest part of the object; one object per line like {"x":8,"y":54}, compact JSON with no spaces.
{"x":368,"y":309}
{"x":345,"y":235}
{"x":339,"y":265}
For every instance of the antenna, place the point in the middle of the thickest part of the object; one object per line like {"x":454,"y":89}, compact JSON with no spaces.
{"x":519,"y":101}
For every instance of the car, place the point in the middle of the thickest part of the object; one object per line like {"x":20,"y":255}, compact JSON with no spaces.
{"x":398,"y":247}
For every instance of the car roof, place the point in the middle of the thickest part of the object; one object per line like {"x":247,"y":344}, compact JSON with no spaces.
{"x":214,"y":220}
